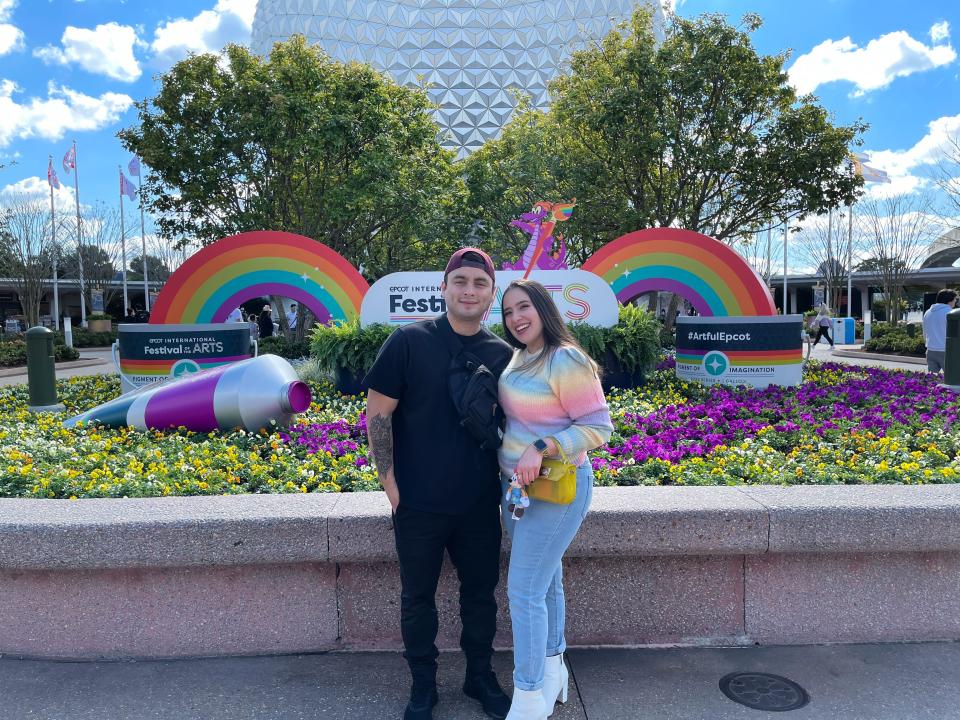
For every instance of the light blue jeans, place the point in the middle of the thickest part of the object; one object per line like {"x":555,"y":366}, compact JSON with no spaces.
{"x":535,"y":578}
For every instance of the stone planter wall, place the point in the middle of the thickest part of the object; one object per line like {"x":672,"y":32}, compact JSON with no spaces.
{"x":186,"y":577}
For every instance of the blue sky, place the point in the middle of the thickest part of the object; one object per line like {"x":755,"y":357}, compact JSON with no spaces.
{"x":71,"y":69}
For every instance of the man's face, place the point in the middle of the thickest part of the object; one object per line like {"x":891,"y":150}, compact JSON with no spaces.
{"x":468,"y":293}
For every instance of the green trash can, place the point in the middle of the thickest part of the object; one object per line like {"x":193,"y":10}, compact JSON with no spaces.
{"x":41,"y":371}
{"x":951,"y":365}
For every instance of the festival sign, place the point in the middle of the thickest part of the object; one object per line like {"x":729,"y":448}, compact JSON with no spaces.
{"x":145,"y":353}
{"x":755,"y":351}
{"x":401,"y":298}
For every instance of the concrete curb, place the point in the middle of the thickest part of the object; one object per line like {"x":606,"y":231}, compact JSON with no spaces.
{"x":357,"y":528}
{"x":908,"y":359}
{"x":22,"y":369}
{"x":269,"y":574}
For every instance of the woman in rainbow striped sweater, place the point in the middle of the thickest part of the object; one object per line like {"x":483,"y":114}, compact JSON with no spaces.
{"x":553,"y":401}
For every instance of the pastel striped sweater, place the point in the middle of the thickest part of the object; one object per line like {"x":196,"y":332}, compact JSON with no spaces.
{"x":560,"y":399}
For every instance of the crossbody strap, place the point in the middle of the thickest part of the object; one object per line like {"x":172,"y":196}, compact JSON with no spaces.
{"x":449,"y":337}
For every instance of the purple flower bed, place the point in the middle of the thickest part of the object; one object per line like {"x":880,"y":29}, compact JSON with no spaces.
{"x":338,"y":438}
{"x":839,"y":398}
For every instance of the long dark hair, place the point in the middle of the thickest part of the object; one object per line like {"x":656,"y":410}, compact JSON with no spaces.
{"x":555,"y":332}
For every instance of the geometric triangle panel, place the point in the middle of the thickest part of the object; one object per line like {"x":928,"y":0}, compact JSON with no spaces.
{"x":468,"y":51}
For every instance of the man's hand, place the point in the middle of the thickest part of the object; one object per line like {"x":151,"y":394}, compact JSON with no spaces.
{"x":393,"y":494}
{"x":380,"y":437}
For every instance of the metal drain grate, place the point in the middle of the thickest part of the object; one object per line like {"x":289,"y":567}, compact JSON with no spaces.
{"x":762,"y":691}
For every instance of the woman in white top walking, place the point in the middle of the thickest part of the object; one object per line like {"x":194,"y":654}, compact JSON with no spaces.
{"x":823,"y":322}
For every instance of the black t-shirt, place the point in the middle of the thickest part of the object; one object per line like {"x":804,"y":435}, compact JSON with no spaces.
{"x":438,"y":466}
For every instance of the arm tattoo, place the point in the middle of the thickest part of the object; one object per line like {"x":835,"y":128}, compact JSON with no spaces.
{"x":380,"y":429}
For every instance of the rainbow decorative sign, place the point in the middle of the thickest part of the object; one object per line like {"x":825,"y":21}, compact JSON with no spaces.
{"x":712,"y":276}
{"x":217,"y":279}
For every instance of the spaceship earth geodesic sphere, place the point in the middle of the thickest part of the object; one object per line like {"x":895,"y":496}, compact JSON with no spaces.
{"x":471,"y":53}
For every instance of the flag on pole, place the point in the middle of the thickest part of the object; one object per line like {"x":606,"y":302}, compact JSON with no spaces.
{"x":70,"y":160}
{"x":134,"y":166}
{"x":127,"y":188}
{"x":52,"y":179}
{"x":867,"y":172}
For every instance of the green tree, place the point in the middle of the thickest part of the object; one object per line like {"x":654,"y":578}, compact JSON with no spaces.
{"x":157,"y":269}
{"x":699,"y":132}
{"x":298,"y":142}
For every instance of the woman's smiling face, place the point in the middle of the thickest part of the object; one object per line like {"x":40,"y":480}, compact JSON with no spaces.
{"x":522,"y":319}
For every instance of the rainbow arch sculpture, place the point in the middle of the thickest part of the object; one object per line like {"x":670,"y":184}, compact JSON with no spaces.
{"x":713,"y":277}
{"x":215,"y":280}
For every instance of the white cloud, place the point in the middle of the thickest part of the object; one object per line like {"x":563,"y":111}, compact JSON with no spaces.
{"x":940,"y":31}
{"x":62,"y":110}
{"x":869,"y":68}
{"x":35,"y":189}
{"x":11,"y":37}
{"x":230,"y":21}
{"x":105,"y":50}
{"x":902,"y":165}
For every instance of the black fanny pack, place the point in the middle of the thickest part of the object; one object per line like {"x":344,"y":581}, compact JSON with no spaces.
{"x":473,"y":389}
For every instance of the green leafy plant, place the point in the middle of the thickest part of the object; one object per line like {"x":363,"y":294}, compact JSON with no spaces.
{"x":99,"y":316}
{"x":14,"y":353}
{"x":62,"y":353}
{"x":83,"y":338}
{"x":347,"y":346}
{"x":279,"y":345}
{"x":635,"y":340}
{"x":896,"y":340}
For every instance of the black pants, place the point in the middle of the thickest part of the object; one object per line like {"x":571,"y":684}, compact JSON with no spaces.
{"x":473,"y":542}
{"x":823,"y":331}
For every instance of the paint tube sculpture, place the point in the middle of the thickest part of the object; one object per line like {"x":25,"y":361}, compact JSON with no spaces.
{"x":250,"y":394}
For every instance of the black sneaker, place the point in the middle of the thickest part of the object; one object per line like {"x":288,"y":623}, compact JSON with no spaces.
{"x":485,"y":689}
{"x":422,"y":699}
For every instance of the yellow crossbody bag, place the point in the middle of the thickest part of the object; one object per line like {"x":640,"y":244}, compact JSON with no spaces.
{"x":557,"y":481}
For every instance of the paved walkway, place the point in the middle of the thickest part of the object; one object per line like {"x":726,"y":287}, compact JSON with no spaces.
{"x":93,"y":361}
{"x":844,"y":682}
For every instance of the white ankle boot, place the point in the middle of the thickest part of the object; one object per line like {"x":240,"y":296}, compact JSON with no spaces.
{"x":527,"y":705}
{"x":556,"y":680}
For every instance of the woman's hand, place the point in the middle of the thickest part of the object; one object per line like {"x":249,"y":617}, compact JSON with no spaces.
{"x":528,"y":467}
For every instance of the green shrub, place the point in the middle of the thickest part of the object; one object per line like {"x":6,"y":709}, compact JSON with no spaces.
{"x":634,"y":343}
{"x":310,"y":371}
{"x":279,"y":345}
{"x":346,"y":345}
{"x":99,"y":316}
{"x":62,"y":353}
{"x":83,"y":338}
{"x":13,"y":353}
{"x":896,"y":340}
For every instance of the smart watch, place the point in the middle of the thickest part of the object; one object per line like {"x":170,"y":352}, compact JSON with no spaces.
{"x":540,"y":446}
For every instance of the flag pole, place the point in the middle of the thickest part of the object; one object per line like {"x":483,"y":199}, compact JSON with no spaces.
{"x":830,"y":263}
{"x":850,"y":260}
{"x":769,"y":268}
{"x":786,"y":300}
{"x":54,"y":251}
{"x":143,"y":245}
{"x":123,"y":247}
{"x":76,"y":192}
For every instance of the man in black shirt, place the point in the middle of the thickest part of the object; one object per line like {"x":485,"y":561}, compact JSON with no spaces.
{"x":444,"y":490}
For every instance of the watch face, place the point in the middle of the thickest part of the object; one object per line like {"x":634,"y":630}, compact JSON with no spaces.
{"x":540,"y":445}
